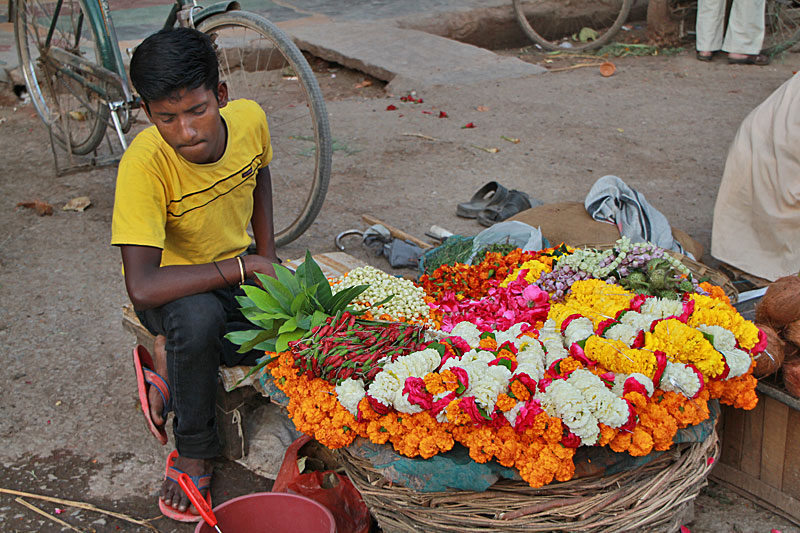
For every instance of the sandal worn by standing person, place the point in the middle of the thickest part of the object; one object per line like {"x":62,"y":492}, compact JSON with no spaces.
{"x":752,"y":59}
{"x":705,"y":56}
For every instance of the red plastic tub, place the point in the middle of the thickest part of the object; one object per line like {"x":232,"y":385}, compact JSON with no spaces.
{"x":273,"y":512}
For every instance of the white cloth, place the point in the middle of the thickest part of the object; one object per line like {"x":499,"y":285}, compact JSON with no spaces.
{"x":745,"y":33}
{"x":612,"y":200}
{"x":757,"y":212}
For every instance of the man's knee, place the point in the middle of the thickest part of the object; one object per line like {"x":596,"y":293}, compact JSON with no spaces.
{"x":195,"y":323}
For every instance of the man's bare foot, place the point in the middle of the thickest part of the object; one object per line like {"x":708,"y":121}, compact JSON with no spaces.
{"x":160,"y":363}
{"x":172,"y":493}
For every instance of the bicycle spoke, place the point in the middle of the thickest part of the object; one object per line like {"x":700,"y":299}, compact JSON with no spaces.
{"x":54,"y":94}
{"x":253,"y":62}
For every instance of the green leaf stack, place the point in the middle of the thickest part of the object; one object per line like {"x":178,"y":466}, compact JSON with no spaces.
{"x":289,"y":305}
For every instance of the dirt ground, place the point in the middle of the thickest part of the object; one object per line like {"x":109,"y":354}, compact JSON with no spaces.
{"x":69,"y":418}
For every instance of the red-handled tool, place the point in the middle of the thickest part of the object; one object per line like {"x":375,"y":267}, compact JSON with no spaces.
{"x":199,"y":502}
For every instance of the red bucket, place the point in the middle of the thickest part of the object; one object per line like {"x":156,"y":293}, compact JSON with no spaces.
{"x":273,"y":512}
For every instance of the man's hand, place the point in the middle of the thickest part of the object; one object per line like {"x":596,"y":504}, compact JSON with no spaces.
{"x":258,"y":263}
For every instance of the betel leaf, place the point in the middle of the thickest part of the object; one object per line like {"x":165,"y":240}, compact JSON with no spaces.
{"x":241,"y":337}
{"x":315,"y":276}
{"x":287,"y":279}
{"x":260,"y":336}
{"x":260,"y":298}
{"x":343,"y":298}
{"x":289,"y":325}
{"x":318,"y":318}
{"x":276,"y":289}
{"x":303,"y":321}
{"x":299,"y":302}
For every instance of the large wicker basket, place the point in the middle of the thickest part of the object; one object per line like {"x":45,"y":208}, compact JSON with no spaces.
{"x":658,"y":496}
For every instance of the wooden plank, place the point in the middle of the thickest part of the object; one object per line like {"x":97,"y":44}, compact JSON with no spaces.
{"x":732,"y":435}
{"x":773,"y":442}
{"x":758,"y":491}
{"x":751,"y":440}
{"x":791,"y":465}
{"x":400,"y":234}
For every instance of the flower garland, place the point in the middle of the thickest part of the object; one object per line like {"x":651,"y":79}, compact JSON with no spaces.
{"x":519,"y":379}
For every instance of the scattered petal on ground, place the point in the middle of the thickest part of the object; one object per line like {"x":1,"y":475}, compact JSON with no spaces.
{"x":391,"y":107}
{"x":482,"y":108}
{"x":41,"y":208}
{"x":442,"y":114}
{"x":468,"y":125}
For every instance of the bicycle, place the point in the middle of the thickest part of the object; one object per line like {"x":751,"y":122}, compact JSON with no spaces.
{"x":574,"y":24}
{"x":581,"y":26}
{"x":73,"y":68}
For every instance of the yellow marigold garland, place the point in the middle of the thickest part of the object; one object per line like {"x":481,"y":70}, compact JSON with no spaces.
{"x":684,"y":344}
{"x":714,"y":312}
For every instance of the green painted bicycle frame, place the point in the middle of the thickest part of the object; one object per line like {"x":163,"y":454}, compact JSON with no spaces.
{"x":98,"y":16}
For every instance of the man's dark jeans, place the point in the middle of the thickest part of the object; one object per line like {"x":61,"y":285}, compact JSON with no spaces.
{"x":195,"y":327}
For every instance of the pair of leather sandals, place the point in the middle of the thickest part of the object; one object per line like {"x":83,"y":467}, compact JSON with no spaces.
{"x":494,"y":203}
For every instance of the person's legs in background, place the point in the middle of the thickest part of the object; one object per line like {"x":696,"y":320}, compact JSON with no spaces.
{"x":745,"y":33}
{"x":710,"y":24}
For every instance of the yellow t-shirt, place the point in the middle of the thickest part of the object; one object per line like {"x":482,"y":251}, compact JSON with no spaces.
{"x":195,"y":213}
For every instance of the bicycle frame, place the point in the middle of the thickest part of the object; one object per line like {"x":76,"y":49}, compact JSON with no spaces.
{"x":112,"y":68}
{"x":116,"y":89}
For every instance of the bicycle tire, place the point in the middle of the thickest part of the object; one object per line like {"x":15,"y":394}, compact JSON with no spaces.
{"x":295,"y":112}
{"x":781,"y":26}
{"x":607,"y":15}
{"x":53,"y":93}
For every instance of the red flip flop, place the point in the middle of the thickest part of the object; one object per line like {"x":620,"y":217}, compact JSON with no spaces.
{"x":203,"y":483}
{"x":145,"y":378}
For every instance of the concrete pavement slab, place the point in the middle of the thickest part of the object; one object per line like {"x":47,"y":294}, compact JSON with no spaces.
{"x":408,"y":59}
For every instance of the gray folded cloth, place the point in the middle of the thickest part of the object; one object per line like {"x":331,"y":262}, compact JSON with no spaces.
{"x":376,"y":237}
{"x":612,"y":200}
{"x":402,"y":254}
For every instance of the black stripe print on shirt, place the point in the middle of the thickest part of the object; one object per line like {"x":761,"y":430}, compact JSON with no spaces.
{"x":245,"y":173}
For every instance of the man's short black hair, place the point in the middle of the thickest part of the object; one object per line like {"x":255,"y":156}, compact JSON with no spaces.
{"x":172,"y":60}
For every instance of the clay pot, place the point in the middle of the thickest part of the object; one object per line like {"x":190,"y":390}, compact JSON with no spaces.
{"x":608,"y":69}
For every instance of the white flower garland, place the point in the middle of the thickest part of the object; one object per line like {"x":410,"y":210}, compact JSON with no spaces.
{"x":582,"y":401}
{"x":349,"y":393}
{"x":738,"y":360}
{"x":620,"y":379}
{"x":680,"y":378}
{"x":467,"y":331}
{"x":408,"y":299}
{"x":388,"y":385}
{"x":578,"y":330}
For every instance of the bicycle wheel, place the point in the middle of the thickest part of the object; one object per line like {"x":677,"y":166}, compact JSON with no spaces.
{"x":781,"y":26}
{"x":574,"y":24}
{"x":64,"y":104}
{"x":261,"y":63}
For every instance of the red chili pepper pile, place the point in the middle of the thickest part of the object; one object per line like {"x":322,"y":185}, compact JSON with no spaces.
{"x":347,"y":347}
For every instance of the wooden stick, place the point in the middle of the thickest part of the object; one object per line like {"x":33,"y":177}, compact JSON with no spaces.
{"x":80,"y":505}
{"x":400,"y":234}
{"x":541,"y":507}
{"x":46,"y":515}
{"x":580,"y":65}
{"x":421,"y":136}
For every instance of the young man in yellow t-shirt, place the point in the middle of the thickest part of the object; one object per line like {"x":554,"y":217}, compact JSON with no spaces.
{"x":187,"y":187}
